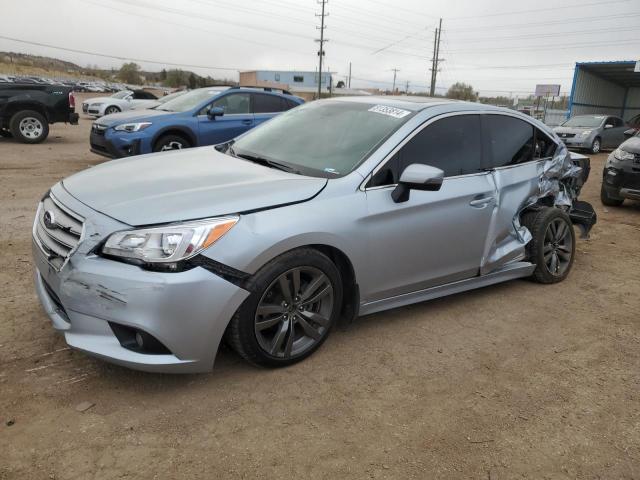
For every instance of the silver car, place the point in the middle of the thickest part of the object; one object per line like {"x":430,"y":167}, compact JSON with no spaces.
{"x":337,"y":208}
{"x":592,"y":132}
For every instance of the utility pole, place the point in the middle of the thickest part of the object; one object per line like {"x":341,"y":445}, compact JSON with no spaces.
{"x":406,"y":90}
{"x":395,"y":71}
{"x":321,"y":40}
{"x":436,"y":59}
{"x":349,"y":83}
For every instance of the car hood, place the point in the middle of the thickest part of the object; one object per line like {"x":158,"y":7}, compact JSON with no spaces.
{"x":186,"y":185}
{"x":130,"y":116}
{"x":631,"y":145}
{"x":573,"y":129}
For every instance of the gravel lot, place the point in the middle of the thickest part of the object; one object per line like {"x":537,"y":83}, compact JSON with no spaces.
{"x":512,"y":381}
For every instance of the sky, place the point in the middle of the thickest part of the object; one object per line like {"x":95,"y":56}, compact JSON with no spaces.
{"x":500,"y":47}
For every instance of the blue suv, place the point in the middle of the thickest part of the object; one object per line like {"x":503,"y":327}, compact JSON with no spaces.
{"x":205,"y":116}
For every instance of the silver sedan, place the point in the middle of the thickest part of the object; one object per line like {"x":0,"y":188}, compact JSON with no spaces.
{"x":337,"y":208}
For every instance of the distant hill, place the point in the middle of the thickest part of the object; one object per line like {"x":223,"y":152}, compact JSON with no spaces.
{"x":12,"y":63}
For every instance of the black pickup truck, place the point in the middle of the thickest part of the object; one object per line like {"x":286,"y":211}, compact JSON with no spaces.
{"x":27,"y":110}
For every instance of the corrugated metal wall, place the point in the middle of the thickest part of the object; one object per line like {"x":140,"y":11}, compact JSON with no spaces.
{"x":592,"y":94}
{"x":633,"y":103}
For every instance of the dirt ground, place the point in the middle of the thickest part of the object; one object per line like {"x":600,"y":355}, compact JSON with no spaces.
{"x":512,"y":381}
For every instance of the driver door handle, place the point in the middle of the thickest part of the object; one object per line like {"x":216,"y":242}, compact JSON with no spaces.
{"x":247,"y":122}
{"x":482,"y":202}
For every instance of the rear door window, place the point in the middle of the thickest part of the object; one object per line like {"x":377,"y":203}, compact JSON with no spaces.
{"x":509,"y":140}
{"x":453,"y":144}
{"x":233,"y":104}
{"x":545,"y":147}
{"x":263,"y":103}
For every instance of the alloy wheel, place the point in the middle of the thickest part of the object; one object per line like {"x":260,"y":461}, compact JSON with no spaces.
{"x":31,"y":127}
{"x":595,"y":148}
{"x":173,"y":145}
{"x":558,"y":247}
{"x":111,"y":110}
{"x":294,"y":313}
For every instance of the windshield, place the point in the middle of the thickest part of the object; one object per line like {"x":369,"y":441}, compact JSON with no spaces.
{"x":122,"y":94}
{"x":189,"y":100}
{"x":589,"y":121}
{"x":171,"y":96}
{"x":323,"y":138}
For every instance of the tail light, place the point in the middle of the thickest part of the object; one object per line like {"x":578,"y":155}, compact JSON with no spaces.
{"x":72,"y":101}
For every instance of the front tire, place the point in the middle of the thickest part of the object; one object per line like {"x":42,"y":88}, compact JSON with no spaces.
{"x":110,"y":110}
{"x":552,"y":248}
{"x":295,"y":300}
{"x":171,"y":142}
{"x":29,"y":126}
{"x":596,"y":145}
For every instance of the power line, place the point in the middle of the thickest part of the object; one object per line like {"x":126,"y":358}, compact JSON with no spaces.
{"x":117,"y":57}
{"x":547,"y":47}
{"x":551,"y":22}
{"x":555,"y":8}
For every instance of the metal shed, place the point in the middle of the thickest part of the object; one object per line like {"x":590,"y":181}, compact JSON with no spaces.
{"x":609,"y":88}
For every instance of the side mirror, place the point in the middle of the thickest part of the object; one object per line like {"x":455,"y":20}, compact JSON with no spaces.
{"x":630,"y":133}
{"x":417,"y":177}
{"x":608,"y":125}
{"x":215,"y":112}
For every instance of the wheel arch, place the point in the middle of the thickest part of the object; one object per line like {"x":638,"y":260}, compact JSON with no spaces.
{"x":21,"y":106}
{"x":175,"y":130}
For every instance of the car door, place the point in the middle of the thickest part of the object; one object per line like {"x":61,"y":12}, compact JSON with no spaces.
{"x":613,"y":136}
{"x":515,"y":154}
{"x":435,"y":237}
{"x":236,"y":120}
{"x":267,"y":106}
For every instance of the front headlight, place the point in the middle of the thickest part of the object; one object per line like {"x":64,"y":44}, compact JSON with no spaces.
{"x":132,"y":127}
{"x":622,"y":155}
{"x":170,"y":243}
{"x":585,"y":133}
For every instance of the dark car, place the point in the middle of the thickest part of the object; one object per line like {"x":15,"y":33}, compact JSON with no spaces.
{"x":634,"y":123}
{"x":26,"y":110}
{"x":621,"y":176}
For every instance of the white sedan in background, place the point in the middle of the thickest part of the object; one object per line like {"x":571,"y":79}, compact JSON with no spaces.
{"x":118,"y":102}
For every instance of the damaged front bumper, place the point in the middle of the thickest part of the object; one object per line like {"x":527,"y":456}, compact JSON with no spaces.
{"x":100,"y":305}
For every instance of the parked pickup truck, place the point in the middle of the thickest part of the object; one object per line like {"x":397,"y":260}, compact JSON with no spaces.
{"x":27,"y":110}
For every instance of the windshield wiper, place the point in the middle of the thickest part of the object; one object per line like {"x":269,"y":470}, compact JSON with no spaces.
{"x":263,"y":161}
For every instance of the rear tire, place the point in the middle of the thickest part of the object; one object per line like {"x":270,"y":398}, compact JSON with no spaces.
{"x":29,"y":126}
{"x":609,"y":201}
{"x":552,"y":248}
{"x":171,"y":142}
{"x":295,"y":300}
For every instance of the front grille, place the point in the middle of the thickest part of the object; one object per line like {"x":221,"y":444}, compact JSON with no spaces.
{"x":56,"y":231}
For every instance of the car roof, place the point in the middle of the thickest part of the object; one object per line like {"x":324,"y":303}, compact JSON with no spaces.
{"x":416,"y":103}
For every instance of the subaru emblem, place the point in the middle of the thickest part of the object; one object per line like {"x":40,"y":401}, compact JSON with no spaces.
{"x":50,"y":220}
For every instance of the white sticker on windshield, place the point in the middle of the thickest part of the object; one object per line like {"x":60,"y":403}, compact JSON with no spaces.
{"x":391,"y":111}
